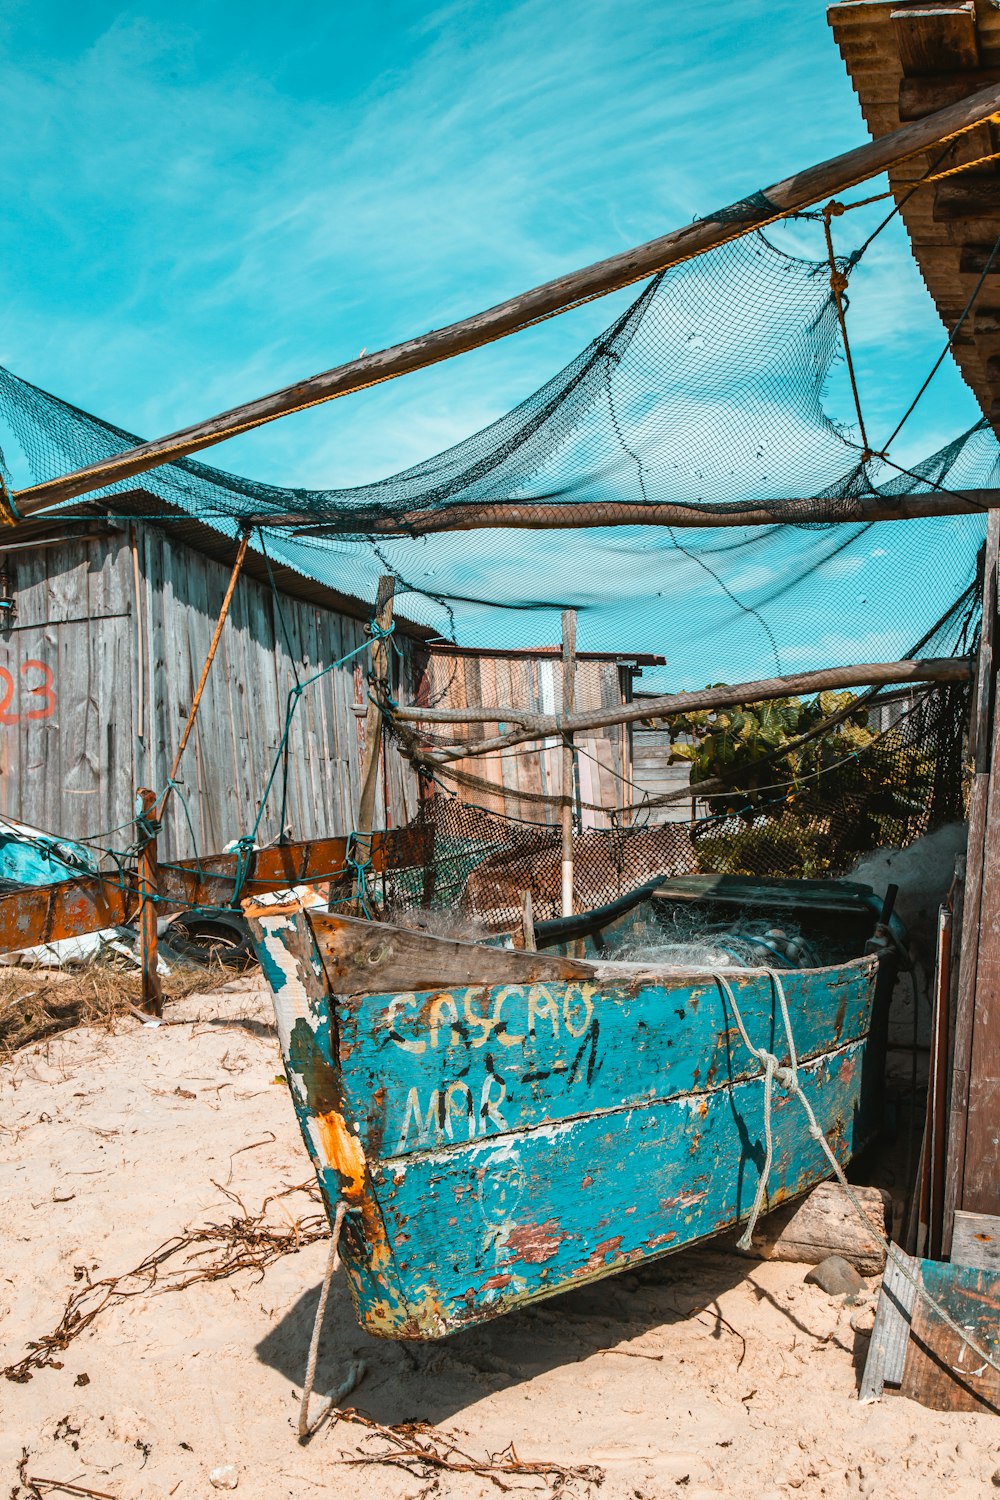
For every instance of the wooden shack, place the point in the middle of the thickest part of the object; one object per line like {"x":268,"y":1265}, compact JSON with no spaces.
{"x":104,"y":629}
{"x":527,"y":784}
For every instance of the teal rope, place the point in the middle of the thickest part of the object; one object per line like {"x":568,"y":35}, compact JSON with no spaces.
{"x":294,"y":697}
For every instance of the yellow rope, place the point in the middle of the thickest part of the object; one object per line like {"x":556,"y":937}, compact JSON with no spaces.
{"x":8,"y":510}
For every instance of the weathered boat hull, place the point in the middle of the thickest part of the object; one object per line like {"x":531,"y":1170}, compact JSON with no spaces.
{"x":500,"y":1142}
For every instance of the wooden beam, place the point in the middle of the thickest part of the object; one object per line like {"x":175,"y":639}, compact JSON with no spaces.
{"x":373,"y":719}
{"x":984,"y":750}
{"x":375,"y":958}
{"x":974,"y":259}
{"x":49,"y":913}
{"x":535,"y":726}
{"x":919,"y":97}
{"x":547,"y":516}
{"x":971,"y":195}
{"x":936,"y":38}
{"x":566,"y":805}
{"x":793,"y":193}
{"x":152,"y":989}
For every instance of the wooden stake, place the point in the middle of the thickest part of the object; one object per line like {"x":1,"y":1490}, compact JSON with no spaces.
{"x":152,"y":990}
{"x":983,"y":751}
{"x":213,"y":647}
{"x":373,"y":719}
{"x":776,"y":202}
{"x":569,"y":707}
{"x":528,"y":922}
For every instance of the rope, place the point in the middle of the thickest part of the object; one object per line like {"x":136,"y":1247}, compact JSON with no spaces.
{"x":9,"y":513}
{"x":774,"y":1071}
{"x":838,"y":286}
{"x":355,"y":1371}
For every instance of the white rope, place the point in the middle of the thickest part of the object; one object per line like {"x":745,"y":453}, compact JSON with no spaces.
{"x":773,"y":1071}
{"x":355,"y":1371}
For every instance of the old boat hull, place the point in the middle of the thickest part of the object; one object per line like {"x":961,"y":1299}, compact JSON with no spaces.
{"x":544,"y":1122}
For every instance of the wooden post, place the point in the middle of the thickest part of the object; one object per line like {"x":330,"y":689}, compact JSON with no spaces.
{"x":373,"y":720}
{"x":972,"y":1107}
{"x":528,"y":922}
{"x":569,"y":706}
{"x":152,"y":991}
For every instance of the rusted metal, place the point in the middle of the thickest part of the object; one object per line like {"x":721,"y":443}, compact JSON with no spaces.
{"x":47,"y":914}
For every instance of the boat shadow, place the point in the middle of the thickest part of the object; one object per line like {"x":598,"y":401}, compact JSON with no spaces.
{"x":433,"y":1381}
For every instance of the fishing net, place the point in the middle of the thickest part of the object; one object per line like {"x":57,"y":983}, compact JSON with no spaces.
{"x":712,"y":390}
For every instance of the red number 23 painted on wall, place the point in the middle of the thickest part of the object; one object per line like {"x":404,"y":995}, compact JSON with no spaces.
{"x":44,"y":690}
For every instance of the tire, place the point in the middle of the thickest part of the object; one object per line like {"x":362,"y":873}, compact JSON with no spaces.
{"x":212,"y":940}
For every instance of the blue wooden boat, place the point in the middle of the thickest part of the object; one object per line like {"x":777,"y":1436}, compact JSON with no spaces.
{"x":504,"y":1124}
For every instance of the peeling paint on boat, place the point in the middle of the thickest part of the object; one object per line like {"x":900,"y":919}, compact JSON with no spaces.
{"x":502,"y":1143}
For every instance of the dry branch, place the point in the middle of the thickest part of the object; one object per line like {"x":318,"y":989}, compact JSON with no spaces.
{"x":539,"y":726}
{"x":244,"y":1243}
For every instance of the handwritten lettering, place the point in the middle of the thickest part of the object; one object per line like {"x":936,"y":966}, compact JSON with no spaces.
{"x":578,"y":1007}
{"x":44,"y":690}
{"x":397,"y":1005}
{"x":451,"y":1114}
{"x":542,"y":1006}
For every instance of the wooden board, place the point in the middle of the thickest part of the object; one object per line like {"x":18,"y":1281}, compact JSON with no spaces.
{"x":941,"y":1371}
{"x":976,"y":1241}
{"x":377,"y":958}
{"x":69,"y":908}
{"x":887,"y":1349}
{"x":936,"y":38}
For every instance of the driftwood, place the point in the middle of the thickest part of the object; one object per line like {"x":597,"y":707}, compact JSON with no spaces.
{"x":535,"y":725}
{"x":827,"y":1223}
{"x":776,"y":202}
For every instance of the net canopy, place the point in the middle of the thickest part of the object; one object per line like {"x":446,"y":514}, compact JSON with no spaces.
{"x":710,"y":390}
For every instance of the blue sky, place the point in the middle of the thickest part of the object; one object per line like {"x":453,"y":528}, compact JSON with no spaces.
{"x":204,"y":203}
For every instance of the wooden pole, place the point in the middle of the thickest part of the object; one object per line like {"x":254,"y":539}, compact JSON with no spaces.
{"x":528,"y":922}
{"x":373,"y":721}
{"x":776,"y":202}
{"x":537,"y":726}
{"x":569,"y":707}
{"x":213,"y":647}
{"x":152,"y":990}
{"x":984,"y":752}
{"x":548,"y":516}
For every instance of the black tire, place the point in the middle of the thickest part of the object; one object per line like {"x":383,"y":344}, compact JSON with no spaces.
{"x":211,"y":940}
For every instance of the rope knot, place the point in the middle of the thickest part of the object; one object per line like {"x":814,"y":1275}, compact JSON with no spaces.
{"x":838,"y":281}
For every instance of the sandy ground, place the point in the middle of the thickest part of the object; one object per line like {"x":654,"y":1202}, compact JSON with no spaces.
{"x":704,"y":1376}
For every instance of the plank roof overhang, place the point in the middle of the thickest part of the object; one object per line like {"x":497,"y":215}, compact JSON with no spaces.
{"x":907,"y":58}
{"x":90,"y":517}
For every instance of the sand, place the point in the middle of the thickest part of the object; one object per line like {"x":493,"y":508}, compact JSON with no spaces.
{"x":706,"y":1375}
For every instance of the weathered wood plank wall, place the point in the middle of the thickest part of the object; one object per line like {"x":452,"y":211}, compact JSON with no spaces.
{"x":65,"y":688}
{"x":528,"y":781}
{"x":120,"y":626}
